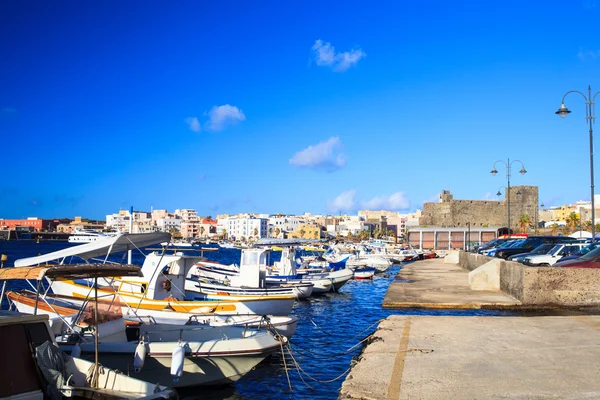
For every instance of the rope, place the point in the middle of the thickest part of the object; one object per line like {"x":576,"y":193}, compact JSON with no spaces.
{"x":323,"y":356}
{"x":288,"y":346}
{"x":315,"y":379}
{"x":357,"y":336}
{"x":282,"y":340}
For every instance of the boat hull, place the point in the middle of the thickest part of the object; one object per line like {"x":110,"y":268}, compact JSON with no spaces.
{"x":209,"y":363}
{"x":232,"y":306}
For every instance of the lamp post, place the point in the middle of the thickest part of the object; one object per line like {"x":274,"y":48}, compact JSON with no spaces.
{"x":589,"y":116}
{"x":508,"y":165}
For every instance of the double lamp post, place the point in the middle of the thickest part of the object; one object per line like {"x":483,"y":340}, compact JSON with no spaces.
{"x":563,"y":111}
{"x":508,"y":165}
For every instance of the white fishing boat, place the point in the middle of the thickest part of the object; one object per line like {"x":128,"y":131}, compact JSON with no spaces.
{"x":87,"y":236}
{"x":285,"y":270}
{"x":213,"y":282}
{"x":33,"y":367}
{"x":65,"y":309}
{"x":364,"y":272}
{"x":162,"y":285}
{"x":177,"y":243}
{"x":177,"y":355}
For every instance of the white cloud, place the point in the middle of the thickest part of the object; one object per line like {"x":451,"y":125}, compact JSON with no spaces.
{"x":322,"y":156}
{"x":347,"y":202}
{"x":220,"y":117}
{"x":344,"y":202}
{"x":396,"y":201}
{"x":193,"y":123}
{"x":585,"y":55}
{"x":325,"y":55}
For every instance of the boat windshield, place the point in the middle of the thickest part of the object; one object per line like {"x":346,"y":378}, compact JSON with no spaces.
{"x":107,"y":311}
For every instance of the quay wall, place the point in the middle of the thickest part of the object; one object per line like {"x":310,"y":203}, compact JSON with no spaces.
{"x":547,"y":286}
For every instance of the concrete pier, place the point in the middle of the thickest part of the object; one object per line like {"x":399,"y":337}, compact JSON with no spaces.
{"x":435,"y":284}
{"x":479,"y":358}
{"x":511,"y":357}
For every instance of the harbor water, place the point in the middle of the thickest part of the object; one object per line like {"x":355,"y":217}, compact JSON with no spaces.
{"x":330,"y":334}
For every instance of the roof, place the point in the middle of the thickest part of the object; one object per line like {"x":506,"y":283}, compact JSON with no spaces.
{"x":74,"y":271}
{"x":99,"y":248}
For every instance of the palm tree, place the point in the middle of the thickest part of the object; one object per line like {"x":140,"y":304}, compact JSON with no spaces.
{"x":224,"y":233}
{"x":524,"y":223}
{"x":202,"y":231}
{"x":302,"y":232}
{"x":255,"y":232}
{"x":572,"y":221}
{"x":277,"y":232}
{"x":175,"y":232}
{"x":270,"y":231}
{"x":554,"y":229}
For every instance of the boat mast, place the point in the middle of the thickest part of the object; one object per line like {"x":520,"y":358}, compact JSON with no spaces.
{"x":130,"y":231}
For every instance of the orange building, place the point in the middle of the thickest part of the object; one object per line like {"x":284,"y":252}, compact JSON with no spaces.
{"x":12,"y":224}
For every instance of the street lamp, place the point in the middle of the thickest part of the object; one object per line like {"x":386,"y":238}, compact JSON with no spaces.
{"x":589,"y":116}
{"x":508,"y":165}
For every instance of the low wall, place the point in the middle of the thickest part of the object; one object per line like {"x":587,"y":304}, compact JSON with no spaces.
{"x":543,"y":285}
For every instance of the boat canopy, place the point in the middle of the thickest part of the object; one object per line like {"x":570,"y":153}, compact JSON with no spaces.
{"x":73,"y":271}
{"x":99,"y":248}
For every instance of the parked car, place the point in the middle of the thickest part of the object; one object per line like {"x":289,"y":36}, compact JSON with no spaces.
{"x":589,"y":260}
{"x":531,"y":243}
{"x":490,"y":245}
{"x":506,"y":245}
{"x":581,"y":252}
{"x":541,"y":249}
{"x":554,"y":255}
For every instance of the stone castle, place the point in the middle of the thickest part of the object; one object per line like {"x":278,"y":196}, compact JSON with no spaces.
{"x":481,"y":213}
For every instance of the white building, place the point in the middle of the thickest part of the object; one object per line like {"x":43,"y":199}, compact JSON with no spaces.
{"x":166,"y":224}
{"x":284,"y":223}
{"x":142,"y":221}
{"x":245,"y":227}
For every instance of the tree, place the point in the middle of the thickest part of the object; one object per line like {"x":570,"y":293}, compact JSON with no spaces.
{"x":277,"y":232}
{"x":202,"y":231}
{"x":572,"y":222}
{"x":270,"y":231}
{"x":224,"y":233}
{"x":175,"y":232}
{"x":524,"y":223}
{"x":376,"y":233}
{"x":302,"y":232}
{"x":555,"y":229}
{"x":255,"y":232}
{"x":363,"y":235}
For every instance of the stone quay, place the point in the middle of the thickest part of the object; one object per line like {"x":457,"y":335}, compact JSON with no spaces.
{"x":548,"y":346}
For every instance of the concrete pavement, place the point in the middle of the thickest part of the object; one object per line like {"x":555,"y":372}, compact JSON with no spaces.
{"x":434,"y":284}
{"x":423,"y":357}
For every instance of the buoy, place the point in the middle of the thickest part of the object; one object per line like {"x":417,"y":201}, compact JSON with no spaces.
{"x":139,"y":357}
{"x":177,"y":362}
{"x":76,"y":351}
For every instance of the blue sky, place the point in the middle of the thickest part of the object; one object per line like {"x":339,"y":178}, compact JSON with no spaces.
{"x":289,"y":106}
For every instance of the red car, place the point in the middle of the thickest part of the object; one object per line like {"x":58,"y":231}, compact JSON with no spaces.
{"x":589,"y":260}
